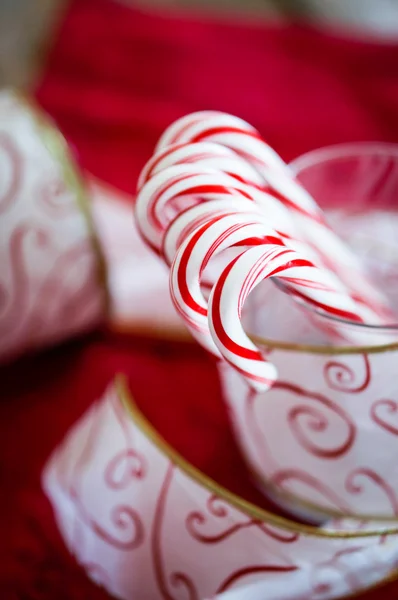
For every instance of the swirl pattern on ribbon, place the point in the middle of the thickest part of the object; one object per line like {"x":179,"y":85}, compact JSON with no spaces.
{"x":50,"y":287}
{"x":184,"y":527}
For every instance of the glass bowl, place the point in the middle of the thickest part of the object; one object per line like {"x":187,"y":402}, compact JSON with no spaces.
{"x":323,"y":441}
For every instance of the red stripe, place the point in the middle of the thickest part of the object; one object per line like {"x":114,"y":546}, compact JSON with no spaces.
{"x":252,"y":376}
{"x":293,"y":205}
{"x":160,"y":157}
{"x":201,"y":219}
{"x":217,"y":130}
{"x":183,"y":265}
{"x":345,"y":314}
{"x":338,"y":312}
{"x":155,"y":198}
{"x":213,"y":189}
{"x":270,"y":255}
{"x":182,"y":270}
{"x":257,"y":241}
{"x":240,"y":178}
{"x":217,"y":324}
{"x":221,"y":238}
{"x":295,"y":262}
{"x":191,"y":322}
{"x":182,"y":130}
{"x":308,"y":283}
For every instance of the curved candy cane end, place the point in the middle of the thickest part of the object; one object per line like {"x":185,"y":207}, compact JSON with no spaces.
{"x":265,"y":379}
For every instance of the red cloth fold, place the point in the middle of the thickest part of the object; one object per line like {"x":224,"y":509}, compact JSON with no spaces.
{"x":115,"y":79}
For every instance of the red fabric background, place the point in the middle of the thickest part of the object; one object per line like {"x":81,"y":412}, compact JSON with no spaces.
{"x":116,"y":77}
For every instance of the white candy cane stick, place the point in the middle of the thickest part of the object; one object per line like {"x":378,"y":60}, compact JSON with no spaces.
{"x":240,"y":277}
{"x":219,"y":232}
{"x":167,"y":193}
{"x":245,"y":140}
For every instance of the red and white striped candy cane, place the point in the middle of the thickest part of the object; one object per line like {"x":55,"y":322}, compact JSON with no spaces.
{"x":205,"y":154}
{"x":175,"y":189}
{"x":224,"y":129}
{"x":317,"y":287}
{"x":188,"y":181}
{"x":192,"y":218}
{"x":247,"y":143}
{"x":244,"y":140}
{"x":244,"y":273}
{"x":198,"y":199}
{"x":209,"y":157}
{"x":221,"y":231}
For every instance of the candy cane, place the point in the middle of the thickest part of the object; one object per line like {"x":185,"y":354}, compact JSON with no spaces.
{"x":206,"y":154}
{"x":180,"y":182}
{"x":244,"y":140}
{"x":196,"y":200}
{"x":192,"y":218}
{"x":209,"y":157}
{"x":235,"y":283}
{"x":224,"y":129}
{"x":179,"y":187}
{"x":318,"y":287}
{"x":221,"y":231}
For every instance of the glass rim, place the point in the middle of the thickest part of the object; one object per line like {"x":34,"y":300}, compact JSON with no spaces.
{"x":306,"y":160}
{"x":307,"y":505}
{"x":341,"y":150}
{"x":237,"y":501}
